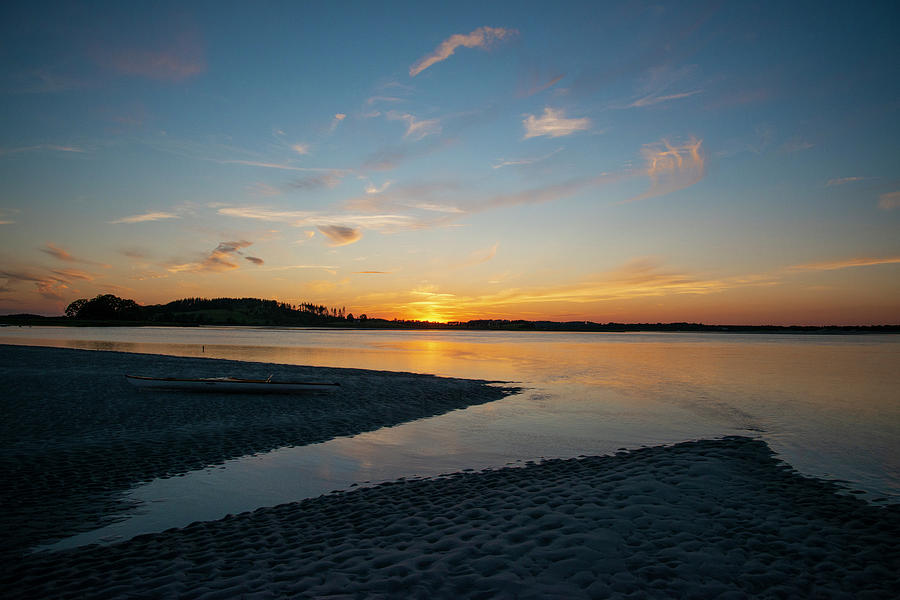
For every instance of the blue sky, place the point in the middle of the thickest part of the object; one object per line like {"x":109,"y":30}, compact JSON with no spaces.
{"x":714,"y":162}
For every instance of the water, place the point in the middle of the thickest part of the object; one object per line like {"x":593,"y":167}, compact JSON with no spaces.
{"x":829,"y":405}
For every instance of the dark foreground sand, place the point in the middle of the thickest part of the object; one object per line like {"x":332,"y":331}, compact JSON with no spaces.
{"x":707,"y":519}
{"x":74,"y":433}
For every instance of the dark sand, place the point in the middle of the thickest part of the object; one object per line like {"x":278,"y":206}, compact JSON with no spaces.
{"x":74,"y":433}
{"x":707,"y":519}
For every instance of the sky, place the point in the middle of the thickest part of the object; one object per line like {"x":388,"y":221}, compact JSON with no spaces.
{"x":714,"y":162}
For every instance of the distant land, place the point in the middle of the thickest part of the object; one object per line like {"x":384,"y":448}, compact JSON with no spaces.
{"x":110,"y":310}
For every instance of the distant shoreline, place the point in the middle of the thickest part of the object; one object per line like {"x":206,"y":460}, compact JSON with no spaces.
{"x":477,"y":325}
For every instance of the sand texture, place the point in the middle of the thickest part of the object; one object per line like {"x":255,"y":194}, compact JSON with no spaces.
{"x":74,"y":433}
{"x":708,"y":519}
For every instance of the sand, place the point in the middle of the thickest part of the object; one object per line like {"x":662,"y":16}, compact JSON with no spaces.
{"x":703,"y":519}
{"x":74,"y":433}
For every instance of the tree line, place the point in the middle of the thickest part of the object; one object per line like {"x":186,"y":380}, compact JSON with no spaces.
{"x":208,"y":311}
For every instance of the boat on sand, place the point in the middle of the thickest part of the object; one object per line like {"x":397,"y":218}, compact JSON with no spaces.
{"x":228,"y":384}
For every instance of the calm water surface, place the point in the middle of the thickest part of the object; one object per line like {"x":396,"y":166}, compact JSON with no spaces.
{"x":829,"y":405}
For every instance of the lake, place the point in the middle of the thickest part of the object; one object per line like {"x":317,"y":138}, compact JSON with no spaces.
{"x":828,"y":404}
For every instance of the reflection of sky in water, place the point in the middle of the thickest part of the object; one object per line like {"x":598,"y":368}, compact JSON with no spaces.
{"x":827,"y":404}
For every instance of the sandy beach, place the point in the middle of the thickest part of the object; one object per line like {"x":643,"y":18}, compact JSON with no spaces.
{"x":704,"y":519}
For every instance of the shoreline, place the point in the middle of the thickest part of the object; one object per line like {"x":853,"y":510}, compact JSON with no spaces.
{"x":75,"y":434}
{"x":696,"y":519}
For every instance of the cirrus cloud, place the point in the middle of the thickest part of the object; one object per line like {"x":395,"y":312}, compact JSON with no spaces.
{"x":553,"y":123}
{"x":145,"y":217}
{"x":672,"y":167}
{"x":482,"y":37}
{"x":867,"y":261}
{"x":220,"y":259}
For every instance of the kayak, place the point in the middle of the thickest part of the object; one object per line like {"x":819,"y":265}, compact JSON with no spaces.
{"x":227,"y":384}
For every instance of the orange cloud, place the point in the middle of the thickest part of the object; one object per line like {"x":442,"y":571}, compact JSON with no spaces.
{"x":479,"y":38}
{"x":220,"y":259}
{"x":49,"y":287}
{"x":846,"y":264}
{"x":74,"y":274}
{"x":58,"y":253}
{"x":340,"y":235}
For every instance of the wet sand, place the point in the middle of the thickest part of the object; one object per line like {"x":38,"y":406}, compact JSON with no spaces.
{"x":74,"y":433}
{"x":706,"y":519}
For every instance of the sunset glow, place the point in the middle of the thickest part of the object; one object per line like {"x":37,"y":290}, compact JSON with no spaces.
{"x":628,"y":162}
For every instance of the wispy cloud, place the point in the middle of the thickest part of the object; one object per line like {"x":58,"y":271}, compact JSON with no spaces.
{"x":280,"y":166}
{"x":553,"y":124}
{"x":482,"y":37}
{"x":340,"y":235}
{"x":298,"y":218}
{"x":301,"y":148}
{"x":386,"y":159}
{"x":547,"y":193}
{"x":416,"y":128}
{"x":371,"y":272}
{"x":381,"y":222}
{"x":375,"y":99}
{"x":48,"y":286}
{"x":263,"y":189}
{"x":844,"y":180}
{"x":889,"y":201}
{"x":373,"y":189}
{"x":315,"y":182}
{"x":4,"y":216}
{"x":441,"y":208}
{"x":638,"y":278}
{"x":174,"y":56}
{"x":58,"y":253}
{"x":672,"y":168}
{"x":521,"y":162}
{"x":330,"y":268}
{"x":39,"y":147}
{"x":337,"y":120}
{"x":133,"y":252}
{"x":846,"y":263}
{"x":652,"y":99}
{"x":145,"y":217}
{"x":481,"y":256}
{"x":796,"y":144}
{"x":255,"y":260}
{"x":74,"y":274}
{"x":220,"y":259}
{"x":537,"y":85}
